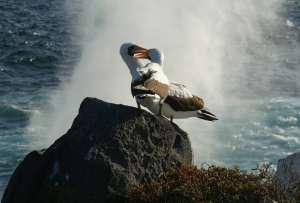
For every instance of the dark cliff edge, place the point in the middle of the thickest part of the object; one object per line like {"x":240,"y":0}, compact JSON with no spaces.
{"x":288,"y":175}
{"x":108,"y":149}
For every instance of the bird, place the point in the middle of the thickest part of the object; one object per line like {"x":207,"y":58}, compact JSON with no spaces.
{"x":160,"y":96}
{"x":135,"y":61}
{"x":126,"y":50}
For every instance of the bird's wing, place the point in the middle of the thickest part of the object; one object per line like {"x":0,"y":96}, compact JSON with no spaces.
{"x":185,"y":104}
{"x":181,"y":99}
{"x":139,"y":89}
{"x":179,"y":90}
{"x":178,"y":84}
{"x":157,"y":87}
{"x":149,"y":86}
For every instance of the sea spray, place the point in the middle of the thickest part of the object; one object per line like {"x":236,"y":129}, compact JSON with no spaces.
{"x":209,"y":46}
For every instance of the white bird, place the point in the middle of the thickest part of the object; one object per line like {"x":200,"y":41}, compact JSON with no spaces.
{"x":166,"y":98}
{"x":140,"y":59}
{"x":132,"y":63}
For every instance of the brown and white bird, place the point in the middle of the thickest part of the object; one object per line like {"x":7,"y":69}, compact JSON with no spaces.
{"x":153,"y":90}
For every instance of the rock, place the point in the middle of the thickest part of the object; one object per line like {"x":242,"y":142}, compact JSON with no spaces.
{"x":108,"y":149}
{"x":288,"y":175}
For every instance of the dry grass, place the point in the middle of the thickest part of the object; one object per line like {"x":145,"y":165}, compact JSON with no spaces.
{"x":211,"y":184}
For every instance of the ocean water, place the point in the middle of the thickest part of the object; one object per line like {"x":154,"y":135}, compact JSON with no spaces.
{"x":38,"y":51}
{"x":36,"y":54}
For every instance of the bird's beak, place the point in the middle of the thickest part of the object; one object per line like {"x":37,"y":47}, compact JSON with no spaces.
{"x":138,"y":52}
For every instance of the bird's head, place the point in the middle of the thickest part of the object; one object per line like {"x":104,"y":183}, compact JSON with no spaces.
{"x":154,"y":55}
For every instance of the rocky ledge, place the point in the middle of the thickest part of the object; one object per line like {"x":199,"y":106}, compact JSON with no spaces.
{"x":108,"y":149}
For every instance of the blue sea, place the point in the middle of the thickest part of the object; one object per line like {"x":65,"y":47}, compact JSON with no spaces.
{"x":38,"y":51}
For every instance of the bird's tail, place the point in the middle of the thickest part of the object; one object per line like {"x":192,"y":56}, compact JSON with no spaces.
{"x":206,"y":115}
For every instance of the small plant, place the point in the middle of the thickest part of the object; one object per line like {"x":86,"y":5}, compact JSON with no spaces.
{"x":211,"y":184}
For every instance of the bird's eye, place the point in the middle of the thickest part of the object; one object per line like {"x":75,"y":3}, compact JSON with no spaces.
{"x":131,"y":50}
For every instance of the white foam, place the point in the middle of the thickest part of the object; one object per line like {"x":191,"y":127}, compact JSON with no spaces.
{"x":288,"y":119}
{"x":289,"y":23}
{"x":286,"y":138}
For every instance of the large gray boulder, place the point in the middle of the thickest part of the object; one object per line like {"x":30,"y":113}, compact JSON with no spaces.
{"x":108,"y":149}
{"x":288,"y":175}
